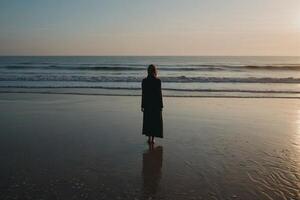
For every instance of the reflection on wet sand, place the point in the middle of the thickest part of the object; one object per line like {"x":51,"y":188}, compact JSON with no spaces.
{"x":89,"y":147}
{"x":152,"y":165}
{"x":297,"y":139}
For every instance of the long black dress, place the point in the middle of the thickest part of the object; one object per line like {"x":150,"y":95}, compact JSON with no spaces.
{"x":152,"y":104}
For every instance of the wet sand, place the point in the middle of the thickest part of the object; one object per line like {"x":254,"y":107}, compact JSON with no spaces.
{"x":91,"y":147}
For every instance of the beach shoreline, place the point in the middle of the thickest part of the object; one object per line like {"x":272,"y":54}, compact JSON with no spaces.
{"x":137,"y":93}
{"x":91,"y":147}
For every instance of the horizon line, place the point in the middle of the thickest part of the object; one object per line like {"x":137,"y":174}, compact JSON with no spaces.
{"x":131,"y":55}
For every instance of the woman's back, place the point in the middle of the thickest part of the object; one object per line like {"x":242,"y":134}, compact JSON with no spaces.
{"x":152,"y":96}
{"x":152,"y":105}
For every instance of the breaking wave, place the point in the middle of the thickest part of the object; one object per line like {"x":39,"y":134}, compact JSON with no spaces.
{"x":178,"y":79}
{"x":165,"y":89}
{"x":139,"y":67}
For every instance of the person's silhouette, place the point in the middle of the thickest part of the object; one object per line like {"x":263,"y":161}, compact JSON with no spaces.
{"x":152,"y":105}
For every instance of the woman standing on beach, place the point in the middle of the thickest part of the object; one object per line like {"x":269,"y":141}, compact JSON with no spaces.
{"x":152,"y":105}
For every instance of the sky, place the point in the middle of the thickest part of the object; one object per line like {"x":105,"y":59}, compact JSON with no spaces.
{"x":156,"y":27}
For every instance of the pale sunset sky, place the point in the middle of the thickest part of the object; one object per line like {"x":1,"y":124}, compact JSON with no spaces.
{"x":156,"y":27}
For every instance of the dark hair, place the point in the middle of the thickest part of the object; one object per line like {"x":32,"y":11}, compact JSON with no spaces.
{"x":152,"y":71}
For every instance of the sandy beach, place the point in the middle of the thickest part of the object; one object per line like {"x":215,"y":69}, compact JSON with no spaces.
{"x":57,"y":146}
{"x":150,"y":100}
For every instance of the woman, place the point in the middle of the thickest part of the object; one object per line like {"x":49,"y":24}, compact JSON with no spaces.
{"x":152,"y":105}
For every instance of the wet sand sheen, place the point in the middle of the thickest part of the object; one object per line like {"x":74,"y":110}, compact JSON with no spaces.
{"x":91,"y":147}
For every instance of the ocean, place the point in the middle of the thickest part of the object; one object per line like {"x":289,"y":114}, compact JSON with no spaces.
{"x":183,"y":76}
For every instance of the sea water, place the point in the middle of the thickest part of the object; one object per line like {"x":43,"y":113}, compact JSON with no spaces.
{"x":180,"y":75}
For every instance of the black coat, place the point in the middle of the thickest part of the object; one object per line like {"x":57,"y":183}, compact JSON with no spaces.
{"x":152,"y":104}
